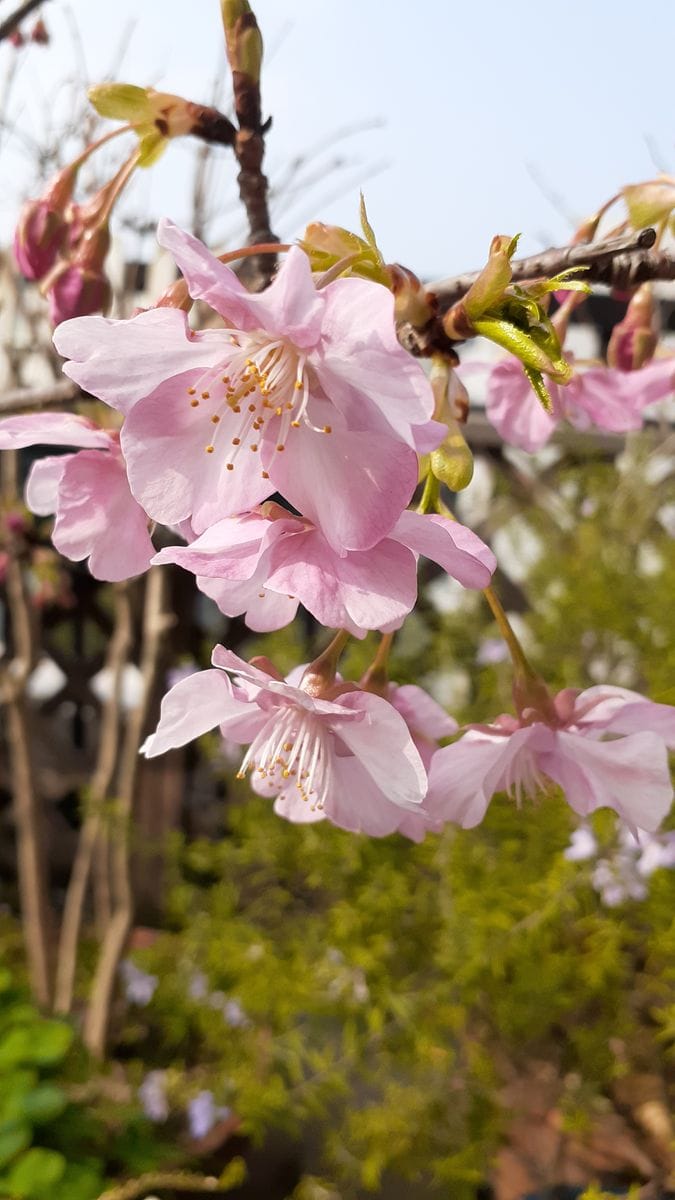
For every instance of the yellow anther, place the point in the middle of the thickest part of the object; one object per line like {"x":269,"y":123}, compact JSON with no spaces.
{"x":279,"y":411}
{"x":191,"y":391}
{"x":285,"y":774}
{"x":298,"y":385}
{"x":254,"y":446}
{"x":230,"y":466}
{"x":261,"y":595}
{"x":288,"y":746}
{"x":281,"y":447}
{"x":206,"y":395}
{"x":215,"y":418}
{"x":236,"y":441}
{"x":194,"y":404}
{"x":252,"y":407}
{"x":210,"y":449}
{"x":328,"y":429}
{"x":265,"y":474}
{"x":295,"y":424}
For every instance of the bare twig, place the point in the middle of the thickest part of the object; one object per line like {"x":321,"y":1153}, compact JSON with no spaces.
{"x":54,"y":395}
{"x":32,"y":868}
{"x":249,"y":148}
{"x":156,"y":621}
{"x":619,"y":262}
{"x":173,"y":1181}
{"x":24,"y":10}
{"x":90,"y":835}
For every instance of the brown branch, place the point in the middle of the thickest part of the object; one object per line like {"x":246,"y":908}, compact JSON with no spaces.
{"x":172,"y":1181}
{"x":24,"y":10}
{"x":244,"y":44}
{"x":90,"y":835}
{"x":156,"y":622}
{"x":619,"y":262}
{"x":36,"y":915}
{"x":25,"y":399}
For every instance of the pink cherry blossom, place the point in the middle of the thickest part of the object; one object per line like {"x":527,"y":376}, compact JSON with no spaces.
{"x":266,"y":562}
{"x":96,"y":515}
{"x":522,"y":755}
{"x":349,"y":757}
{"x":602,"y":397}
{"x":306,"y":392}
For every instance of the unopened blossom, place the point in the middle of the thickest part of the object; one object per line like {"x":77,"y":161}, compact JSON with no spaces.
{"x":266,"y":562}
{"x":524,"y":755}
{"x":602,"y":397}
{"x":306,"y":392}
{"x":96,"y":515}
{"x":43,"y":226}
{"x":347,"y":753}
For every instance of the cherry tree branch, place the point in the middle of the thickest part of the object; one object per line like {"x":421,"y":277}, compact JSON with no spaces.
{"x":90,"y":834}
{"x":619,"y":262}
{"x":156,"y":621}
{"x":24,"y":10}
{"x":36,"y":914}
{"x":26,"y":399}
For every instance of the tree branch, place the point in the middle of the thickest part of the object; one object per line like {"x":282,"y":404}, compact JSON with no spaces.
{"x":25,"y":399}
{"x":116,"y":660}
{"x":156,"y":622}
{"x":620,"y":262}
{"x":36,"y":914}
{"x":24,"y":10}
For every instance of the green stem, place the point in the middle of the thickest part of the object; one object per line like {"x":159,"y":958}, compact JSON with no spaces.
{"x":431,"y":495}
{"x":518,"y":656}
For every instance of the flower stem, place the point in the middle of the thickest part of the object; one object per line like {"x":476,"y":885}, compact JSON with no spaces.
{"x":376,"y":677}
{"x":431,"y":494}
{"x":320,"y":674}
{"x":518,"y":656}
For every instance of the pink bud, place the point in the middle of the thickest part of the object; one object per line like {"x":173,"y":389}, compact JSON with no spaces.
{"x":43,"y":227}
{"x":78,"y":291}
{"x":633,"y":340}
{"x":39,"y":33}
{"x":16,"y":38}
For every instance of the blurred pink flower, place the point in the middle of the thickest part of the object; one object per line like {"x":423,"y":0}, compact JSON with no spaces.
{"x":520,"y":756}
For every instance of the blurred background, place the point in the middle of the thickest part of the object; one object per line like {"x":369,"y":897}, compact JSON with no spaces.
{"x":296,"y":1011}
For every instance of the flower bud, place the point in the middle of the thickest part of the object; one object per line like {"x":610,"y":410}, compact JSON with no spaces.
{"x":16,"y":39}
{"x":633,"y":340}
{"x":243,"y":38}
{"x":649,"y":203}
{"x":42,"y":228}
{"x":411,"y":300}
{"x":451,"y":462}
{"x":80,"y":287}
{"x":39,"y":33}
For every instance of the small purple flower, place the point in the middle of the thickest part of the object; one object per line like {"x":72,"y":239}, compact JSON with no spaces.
{"x":152,"y":1094}
{"x":491,"y":650}
{"x":198,"y":986}
{"x":203,"y":1113}
{"x":139,"y":986}
{"x":582,"y":846}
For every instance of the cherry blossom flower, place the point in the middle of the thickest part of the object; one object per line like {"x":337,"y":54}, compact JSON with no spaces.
{"x":602,"y":397}
{"x":266,"y":562}
{"x":96,"y":515}
{"x":520,"y":756}
{"x":306,"y":392}
{"x":347,"y":754}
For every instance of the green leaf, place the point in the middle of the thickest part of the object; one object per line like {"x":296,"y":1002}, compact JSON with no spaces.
{"x":539,"y":387}
{"x":44,"y":1103}
{"x":36,"y":1172}
{"x":43,"y":1043}
{"x":14,"y":1137}
{"x":152,"y":146}
{"x":121,"y":101}
{"x":367,"y":228}
{"x":79,"y":1182}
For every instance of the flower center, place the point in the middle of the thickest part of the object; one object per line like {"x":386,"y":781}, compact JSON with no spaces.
{"x":260,"y":392}
{"x":293,"y":744}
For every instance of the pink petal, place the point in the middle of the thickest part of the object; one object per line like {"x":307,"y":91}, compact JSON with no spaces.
{"x":193,"y":707}
{"x":362,"y":590}
{"x":457,"y":779}
{"x":614,"y":399}
{"x":51,"y":429}
{"x":515,"y":411}
{"x":618,"y":710}
{"x":352,"y":485}
{"x":361,"y":363}
{"x":420,"y":712}
{"x":97,"y":516}
{"x":357,"y":804}
{"x":122,"y":361}
{"x":42,"y":485}
{"x":207,"y":278}
{"x":172,"y":475}
{"x":454,"y":547}
{"x":231,"y":549}
{"x":290,"y":805}
{"x":627,"y":774}
{"x":291,"y":305}
{"x":382,"y":744}
{"x":263,"y":610}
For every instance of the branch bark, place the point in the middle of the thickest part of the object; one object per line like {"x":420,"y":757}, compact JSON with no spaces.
{"x":92,"y":829}
{"x":24,"y":10}
{"x":620,"y":262}
{"x":156,"y":622}
{"x":36,"y":916}
{"x":54,"y":395}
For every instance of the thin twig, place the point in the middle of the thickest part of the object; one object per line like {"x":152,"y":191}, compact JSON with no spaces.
{"x":614,"y":262}
{"x":156,"y":621}
{"x":175,"y":1181}
{"x":31,"y":863}
{"x":24,"y":10}
{"x":54,"y":395}
{"x":90,"y":835}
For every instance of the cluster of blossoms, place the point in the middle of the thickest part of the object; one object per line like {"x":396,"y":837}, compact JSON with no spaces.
{"x":283,"y":449}
{"x":621,"y":872}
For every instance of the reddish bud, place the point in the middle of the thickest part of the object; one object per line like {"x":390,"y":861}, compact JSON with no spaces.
{"x":42,"y":228}
{"x":16,"y":39}
{"x":77,"y":292}
{"x":634,"y":339}
{"x":39,"y":33}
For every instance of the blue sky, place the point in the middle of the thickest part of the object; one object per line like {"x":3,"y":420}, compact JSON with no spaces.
{"x":494,"y":118}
